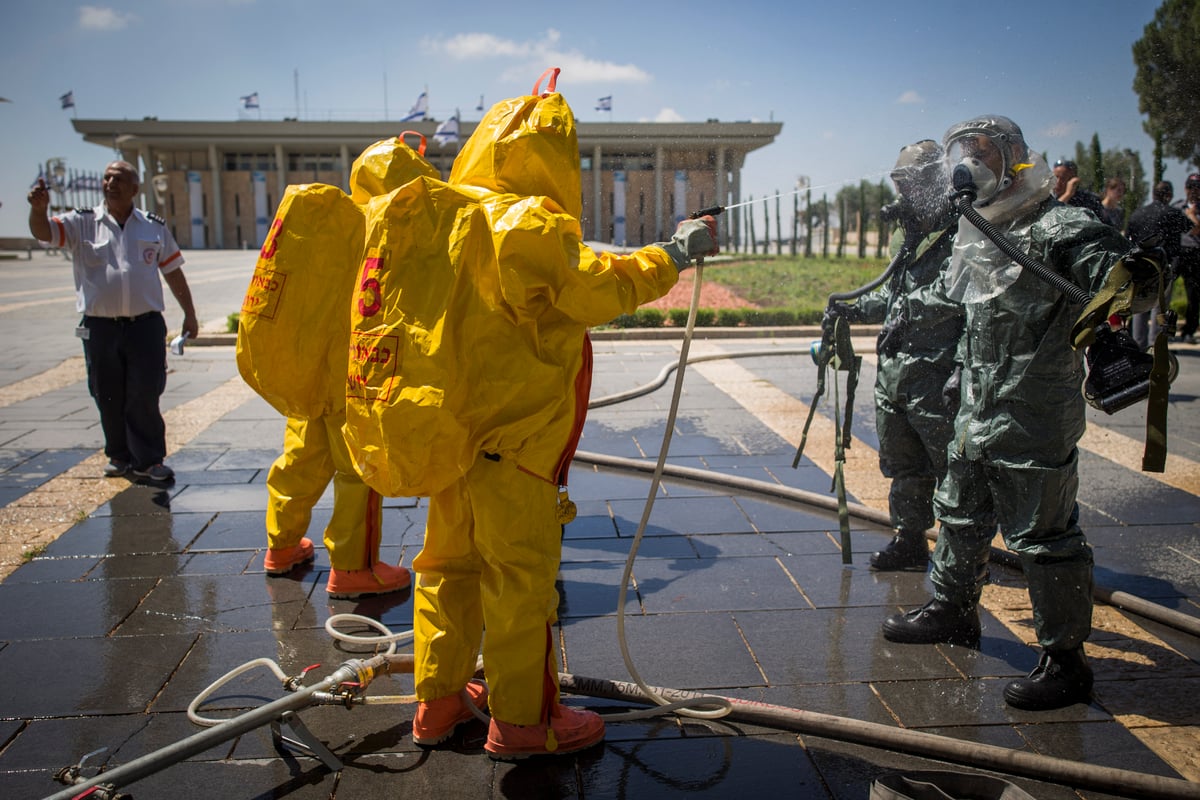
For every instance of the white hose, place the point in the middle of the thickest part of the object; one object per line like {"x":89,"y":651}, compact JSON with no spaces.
{"x":208,"y":722}
{"x":386,"y":636}
{"x":719,"y":706}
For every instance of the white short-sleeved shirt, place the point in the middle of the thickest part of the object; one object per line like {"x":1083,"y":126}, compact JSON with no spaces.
{"x":116,"y":269}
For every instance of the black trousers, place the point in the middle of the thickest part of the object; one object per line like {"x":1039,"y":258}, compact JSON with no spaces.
{"x":1191,"y":317}
{"x":127,"y":373}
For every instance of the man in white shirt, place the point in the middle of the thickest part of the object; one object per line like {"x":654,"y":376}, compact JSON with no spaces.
{"x":119,"y":252}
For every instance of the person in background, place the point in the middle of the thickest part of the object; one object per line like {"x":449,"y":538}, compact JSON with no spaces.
{"x":1188,"y":261}
{"x":916,"y":349}
{"x":1157,"y":224}
{"x":1068,"y":190}
{"x":120,"y":256}
{"x":1014,"y":461}
{"x":1114,"y":213}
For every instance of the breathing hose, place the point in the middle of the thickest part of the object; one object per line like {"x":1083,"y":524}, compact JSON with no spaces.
{"x":963,"y":198}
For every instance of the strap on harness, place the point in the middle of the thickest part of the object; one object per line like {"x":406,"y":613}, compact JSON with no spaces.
{"x":836,"y":349}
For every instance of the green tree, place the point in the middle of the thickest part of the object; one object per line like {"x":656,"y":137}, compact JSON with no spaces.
{"x":864,"y":214}
{"x":1159,"y":169}
{"x":824,"y":226}
{"x":884,"y":227}
{"x":859,"y":205}
{"x":1167,"y":77}
{"x":1097,"y":166}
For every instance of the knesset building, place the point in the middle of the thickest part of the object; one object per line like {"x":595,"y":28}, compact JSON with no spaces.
{"x":218,"y":183}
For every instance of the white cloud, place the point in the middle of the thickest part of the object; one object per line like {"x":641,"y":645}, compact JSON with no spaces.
{"x":535,"y":55}
{"x":910,"y":98}
{"x":1059,"y":130}
{"x":95,"y":18}
{"x":668,"y":115}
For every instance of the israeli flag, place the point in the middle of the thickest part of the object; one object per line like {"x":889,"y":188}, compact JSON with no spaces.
{"x":250,"y":100}
{"x":604,"y":103}
{"x":446,"y":132}
{"x":419,"y":109}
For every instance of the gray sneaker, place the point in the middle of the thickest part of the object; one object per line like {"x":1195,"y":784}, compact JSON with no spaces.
{"x":116,"y":468}
{"x":159,"y":473}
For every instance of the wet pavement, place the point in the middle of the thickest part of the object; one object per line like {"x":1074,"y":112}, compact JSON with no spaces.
{"x":150,"y":595}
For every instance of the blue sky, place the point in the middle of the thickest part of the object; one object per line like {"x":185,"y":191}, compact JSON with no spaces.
{"x":851,"y":82}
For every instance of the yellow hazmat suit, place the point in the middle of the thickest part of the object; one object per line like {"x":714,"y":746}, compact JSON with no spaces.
{"x":469,"y":377}
{"x":292,"y":345}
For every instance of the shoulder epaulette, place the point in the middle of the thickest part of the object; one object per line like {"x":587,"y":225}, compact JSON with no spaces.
{"x":85,"y":211}
{"x":155,"y":218}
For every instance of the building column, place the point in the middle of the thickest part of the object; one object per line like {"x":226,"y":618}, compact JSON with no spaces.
{"x":734,"y":227}
{"x":280,"y":173}
{"x":345,"y":154}
{"x":218,"y":224}
{"x":147,"y":174}
{"x":597,"y":185}
{"x":659,"y":222}
{"x":720,"y":199}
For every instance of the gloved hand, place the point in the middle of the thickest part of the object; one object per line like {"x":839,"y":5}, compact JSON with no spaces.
{"x":1144,"y":263}
{"x":891,"y":336}
{"x":951,"y":390}
{"x":694,"y":238}
{"x":837,"y":308}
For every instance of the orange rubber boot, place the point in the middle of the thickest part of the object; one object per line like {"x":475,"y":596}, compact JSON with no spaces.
{"x":281,"y":560}
{"x":436,"y":720}
{"x":570,"y":730}
{"x":351,"y":584}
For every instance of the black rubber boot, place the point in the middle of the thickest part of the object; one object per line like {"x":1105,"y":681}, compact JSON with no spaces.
{"x":906,"y":551}
{"x":933,"y":623}
{"x":1061,"y":678}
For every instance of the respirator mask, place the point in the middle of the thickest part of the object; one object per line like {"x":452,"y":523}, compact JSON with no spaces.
{"x":979,"y":159}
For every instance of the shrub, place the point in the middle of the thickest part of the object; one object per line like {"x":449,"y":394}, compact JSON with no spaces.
{"x":648,"y":318}
{"x":729,"y":317}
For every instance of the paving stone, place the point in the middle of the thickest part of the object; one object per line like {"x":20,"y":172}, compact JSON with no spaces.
{"x":829,"y":645}
{"x":715,"y":584}
{"x":703,"y":766}
{"x":110,"y":675}
{"x":679,"y":651}
{"x":57,"y":610}
{"x":55,"y":743}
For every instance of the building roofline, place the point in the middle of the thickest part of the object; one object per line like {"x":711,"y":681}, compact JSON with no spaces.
{"x":131,"y":134}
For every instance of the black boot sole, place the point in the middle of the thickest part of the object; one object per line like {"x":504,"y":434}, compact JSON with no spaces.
{"x":1045,"y":701}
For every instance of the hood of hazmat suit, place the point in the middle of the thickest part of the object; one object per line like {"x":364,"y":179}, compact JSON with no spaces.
{"x":387,"y":165}
{"x":1012,"y":183}
{"x":473,"y":299}
{"x":295,"y":322}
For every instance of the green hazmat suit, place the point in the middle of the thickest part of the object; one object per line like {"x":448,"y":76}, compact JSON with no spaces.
{"x":911,"y":418}
{"x":1013,"y":461}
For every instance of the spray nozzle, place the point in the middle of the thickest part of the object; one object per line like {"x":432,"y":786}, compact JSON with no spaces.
{"x":711,"y":211}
